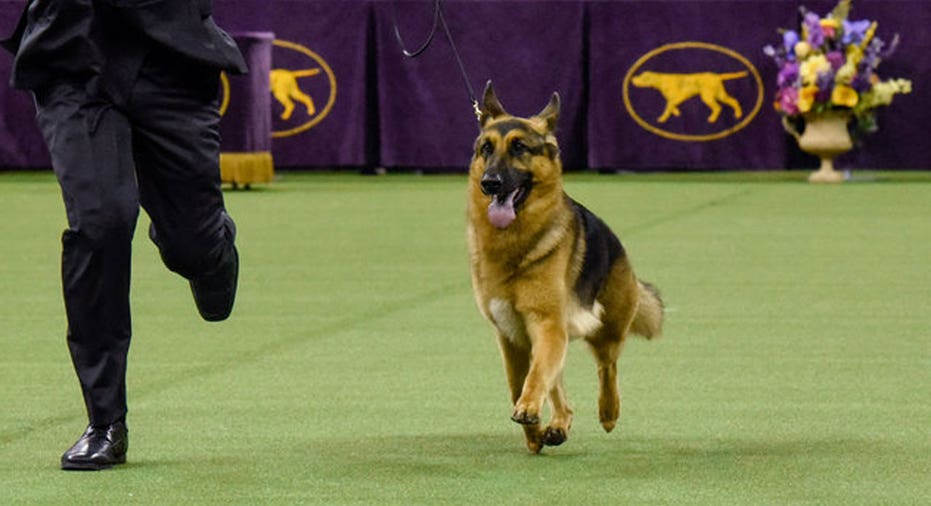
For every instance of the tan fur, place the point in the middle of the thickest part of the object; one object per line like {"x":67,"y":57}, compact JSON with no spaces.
{"x":523,"y":278}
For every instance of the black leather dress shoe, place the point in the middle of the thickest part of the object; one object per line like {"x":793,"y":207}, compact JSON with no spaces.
{"x":100,"y":447}
{"x":214,"y":293}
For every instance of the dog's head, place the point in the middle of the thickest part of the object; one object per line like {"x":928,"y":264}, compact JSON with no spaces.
{"x":645,"y":79}
{"x":516,"y":160}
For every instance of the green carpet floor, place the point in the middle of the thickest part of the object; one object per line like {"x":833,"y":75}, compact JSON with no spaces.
{"x":795,"y":367}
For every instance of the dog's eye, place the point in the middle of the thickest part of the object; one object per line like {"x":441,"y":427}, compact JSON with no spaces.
{"x":518,"y":148}
{"x":487,"y":149}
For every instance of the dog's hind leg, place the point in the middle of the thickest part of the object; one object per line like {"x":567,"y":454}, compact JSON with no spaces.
{"x":607,"y":348}
{"x":620,"y":303}
{"x":516,"y":364}
{"x":557,"y":431}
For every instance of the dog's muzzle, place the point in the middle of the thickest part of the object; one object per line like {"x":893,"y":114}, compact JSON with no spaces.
{"x":508,"y":189}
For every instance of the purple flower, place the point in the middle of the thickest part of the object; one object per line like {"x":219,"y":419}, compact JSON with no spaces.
{"x":789,"y":40}
{"x":855,"y":31}
{"x":788,"y":75}
{"x":836,"y":59}
{"x":825,"y":84}
{"x":813,"y":25}
{"x":871,"y":57}
{"x":862,"y":81}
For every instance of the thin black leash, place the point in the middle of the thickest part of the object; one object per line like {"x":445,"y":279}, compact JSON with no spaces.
{"x":438,"y":20}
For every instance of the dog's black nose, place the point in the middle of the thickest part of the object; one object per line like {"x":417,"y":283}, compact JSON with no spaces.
{"x":491,"y":183}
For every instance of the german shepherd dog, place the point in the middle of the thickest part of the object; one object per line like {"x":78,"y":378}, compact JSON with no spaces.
{"x":546,"y":270}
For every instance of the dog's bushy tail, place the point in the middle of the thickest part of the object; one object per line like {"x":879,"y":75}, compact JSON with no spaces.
{"x":648,"y":322}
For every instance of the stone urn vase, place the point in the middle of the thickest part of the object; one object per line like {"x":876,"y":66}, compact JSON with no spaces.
{"x":826,"y":137}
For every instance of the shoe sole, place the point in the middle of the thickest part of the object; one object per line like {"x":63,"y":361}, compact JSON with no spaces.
{"x":90,"y":466}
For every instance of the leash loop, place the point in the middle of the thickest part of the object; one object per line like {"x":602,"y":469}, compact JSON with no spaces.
{"x":438,"y":19}
{"x":397,"y":31}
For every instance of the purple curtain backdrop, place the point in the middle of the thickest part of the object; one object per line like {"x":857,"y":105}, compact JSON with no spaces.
{"x":528,"y":49}
{"x":21,"y":143}
{"x":349,"y":98}
{"x":322,"y":48}
{"x":624,"y":32}
{"x":246,"y":124}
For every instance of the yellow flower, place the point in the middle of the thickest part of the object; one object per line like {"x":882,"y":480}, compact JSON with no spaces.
{"x":806,"y":98}
{"x":810,"y":68}
{"x":903,"y":86}
{"x":854,"y":54}
{"x":845,"y":73}
{"x":844,"y":95}
{"x":882,"y":93}
{"x":802,"y":49}
{"x":868,"y":37}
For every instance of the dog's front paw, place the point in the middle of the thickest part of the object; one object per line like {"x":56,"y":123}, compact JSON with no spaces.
{"x":554,"y":436}
{"x":525,"y":416}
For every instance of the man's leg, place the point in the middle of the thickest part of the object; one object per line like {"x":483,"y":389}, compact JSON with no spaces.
{"x":176,"y":145}
{"x":89,"y":145}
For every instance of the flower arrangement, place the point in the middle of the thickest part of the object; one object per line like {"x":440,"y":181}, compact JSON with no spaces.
{"x":831,"y":65}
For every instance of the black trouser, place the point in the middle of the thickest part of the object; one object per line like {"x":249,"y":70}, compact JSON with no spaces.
{"x":158,"y":148}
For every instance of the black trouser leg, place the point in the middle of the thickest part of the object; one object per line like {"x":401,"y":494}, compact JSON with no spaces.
{"x":176,"y":145}
{"x":90,"y":146}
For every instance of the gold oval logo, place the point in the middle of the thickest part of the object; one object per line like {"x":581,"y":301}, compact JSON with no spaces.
{"x":693,"y":104}
{"x":224,"y":92}
{"x":296,"y":87}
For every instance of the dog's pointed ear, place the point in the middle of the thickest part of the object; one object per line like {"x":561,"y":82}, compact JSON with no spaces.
{"x":491,"y":107}
{"x":550,"y":113}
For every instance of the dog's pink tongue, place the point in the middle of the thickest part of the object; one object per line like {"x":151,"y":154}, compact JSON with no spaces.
{"x":501,"y":214}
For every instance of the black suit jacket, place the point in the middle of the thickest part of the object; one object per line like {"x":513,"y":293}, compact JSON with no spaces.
{"x":58,"y":39}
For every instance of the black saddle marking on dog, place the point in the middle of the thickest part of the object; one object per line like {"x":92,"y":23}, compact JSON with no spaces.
{"x":602,"y":249}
